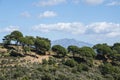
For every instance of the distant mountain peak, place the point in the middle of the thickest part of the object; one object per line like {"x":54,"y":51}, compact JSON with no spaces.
{"x":67,"y":42}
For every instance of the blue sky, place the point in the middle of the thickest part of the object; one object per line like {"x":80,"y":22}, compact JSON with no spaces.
{"x":93,"y":21}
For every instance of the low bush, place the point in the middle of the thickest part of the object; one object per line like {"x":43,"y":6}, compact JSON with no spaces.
{"x":70,"y":62}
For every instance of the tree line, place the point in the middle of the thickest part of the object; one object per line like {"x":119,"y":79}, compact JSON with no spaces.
{"x":42,"y":45}
{"x":27,"y":42}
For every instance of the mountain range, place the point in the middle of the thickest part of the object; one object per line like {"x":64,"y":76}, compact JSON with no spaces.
{"x":67,"y":42}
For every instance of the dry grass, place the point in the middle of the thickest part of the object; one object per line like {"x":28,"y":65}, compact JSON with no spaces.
{"x":97,"y":62}
{"x":3,"y":50}
{"x":34,"y":59}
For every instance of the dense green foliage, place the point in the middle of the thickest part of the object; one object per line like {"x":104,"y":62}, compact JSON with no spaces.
{"x":73,"y":49}
{"x":61,"y":51}
{"x":70,"y":63}
{"x":101,"y":62}
{"x":15,"y":36}
{"x":42,"y":44}
{"x":28,"y":42}
{"x":87,"y":52}
{"x":103,"y":49}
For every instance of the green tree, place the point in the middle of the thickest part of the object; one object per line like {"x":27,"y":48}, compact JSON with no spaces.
{"x":60,"y":50}
{"x":115,"y":59}
{"x":30,"y":40}
{"x":87,"y":52}
{"x":115,"y":56}
{"x":16,"y":35}
{"x":103,"y":51}
{"x":87,"y":55}
{"x":26,"y":41}
{"x":42,"y":44}
{"x":107,"y":68}
{"x":82,"y":67}
{"x":73,"y":49}
{"x":70,"y":62}
{"x":23,"y":41}
{"x":7,"y":39}
{"x":116,"y":47}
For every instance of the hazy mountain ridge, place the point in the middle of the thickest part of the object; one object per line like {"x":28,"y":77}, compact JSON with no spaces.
{"x":66,"y":42}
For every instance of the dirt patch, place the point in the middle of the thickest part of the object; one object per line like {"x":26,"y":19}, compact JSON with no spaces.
{"x":34,"y":59}
{"x":3,"y":50}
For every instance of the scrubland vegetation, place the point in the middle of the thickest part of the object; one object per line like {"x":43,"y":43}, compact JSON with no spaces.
{"x":100,"y":62}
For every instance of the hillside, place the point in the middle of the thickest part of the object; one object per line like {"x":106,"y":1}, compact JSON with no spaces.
{"x":67,"y":42}
{"x":33,"y":58}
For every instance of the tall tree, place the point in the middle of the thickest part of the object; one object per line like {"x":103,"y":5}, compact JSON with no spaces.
{"x":16,"y":35}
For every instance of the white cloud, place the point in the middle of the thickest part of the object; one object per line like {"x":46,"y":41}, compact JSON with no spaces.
{"x":90,"y":2}
{"x":107,"y":29}
{"x":76,"y":1}
{"x":25,"y":14}
{"x":9,"y":29}
{"x":48,"y":2}
{"x":104,"y":29}
{"x":113,"y":34}
{"x":74,"y":28}
{"x":47,"y":14}
{"x":114,"y":3}
{"x":93,"y":2}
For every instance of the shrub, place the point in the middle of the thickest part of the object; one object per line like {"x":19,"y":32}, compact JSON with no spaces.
{"x":51,"y":61}
{"x":44,"y":61}
{"x":2,"y":78}
{"x":89,"y":62}
{"x":117,"y":76}
{"x":106,"y":69}
{"x":16,"y":54}
{"x":109,"y":77}
{"x":63,"y":77}
{"x":79,"y":68}
{"x":85,"y":67}
{"x":26,"y":49}
{"x":25,"y":78}
{"x":74,"y":70}
{"x":47,"y":77}
{"x":71,"y":63}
